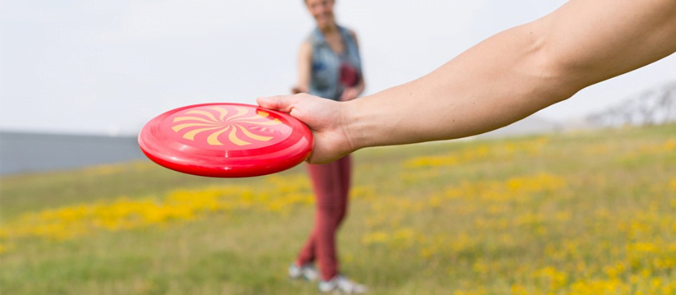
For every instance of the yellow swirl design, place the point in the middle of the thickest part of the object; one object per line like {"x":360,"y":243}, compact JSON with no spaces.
{"x":192,"y":119}
{"x":178,"y":128}
{"x":234,"y":139}
{"x":191,"y":134}
{"x":203,"y":113}
{"x":254,"y":136}
{"x":213,"y":138}
{"x":223,"y":112}
{"x":198,"y":121}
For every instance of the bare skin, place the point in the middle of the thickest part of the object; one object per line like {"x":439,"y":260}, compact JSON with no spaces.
{"x":499,"y":81}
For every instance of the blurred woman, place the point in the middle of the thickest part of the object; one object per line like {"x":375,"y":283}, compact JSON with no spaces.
{"x":329,"y":66}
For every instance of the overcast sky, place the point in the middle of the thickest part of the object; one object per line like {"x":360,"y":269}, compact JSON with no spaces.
{"x":108,"y":66}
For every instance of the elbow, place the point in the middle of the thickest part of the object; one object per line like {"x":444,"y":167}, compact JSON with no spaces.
{"x":559,"y":76}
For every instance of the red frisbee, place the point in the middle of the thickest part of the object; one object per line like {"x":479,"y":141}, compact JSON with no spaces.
{"x":226,"y":140}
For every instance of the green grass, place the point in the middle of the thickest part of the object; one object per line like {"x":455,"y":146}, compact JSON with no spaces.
{"x":576,"y":213}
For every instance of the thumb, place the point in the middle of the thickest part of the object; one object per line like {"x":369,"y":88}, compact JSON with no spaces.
{"x":282,"y":103}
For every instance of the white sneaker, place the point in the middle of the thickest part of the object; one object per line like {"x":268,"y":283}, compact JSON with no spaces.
{"x":341,"y":284}
{"x":306,"y":271}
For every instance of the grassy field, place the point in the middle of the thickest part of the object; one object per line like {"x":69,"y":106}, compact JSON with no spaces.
{"x":588,"y":213}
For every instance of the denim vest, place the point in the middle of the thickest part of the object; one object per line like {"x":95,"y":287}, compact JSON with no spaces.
{"x":325,"y":74}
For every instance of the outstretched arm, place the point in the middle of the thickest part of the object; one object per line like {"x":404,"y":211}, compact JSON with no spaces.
{"x":499,"y":81}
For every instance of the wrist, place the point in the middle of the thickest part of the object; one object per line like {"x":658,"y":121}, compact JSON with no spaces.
{"x":353,"y":125}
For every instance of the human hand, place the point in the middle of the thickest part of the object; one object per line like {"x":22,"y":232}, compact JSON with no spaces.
{"x":324,"y":117}
{"x":349,"y":93}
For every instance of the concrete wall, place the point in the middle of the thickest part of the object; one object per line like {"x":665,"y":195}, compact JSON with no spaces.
{"x":35,"y":152}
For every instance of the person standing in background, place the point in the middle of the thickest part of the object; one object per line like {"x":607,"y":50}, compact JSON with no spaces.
{"x":329,"y":66}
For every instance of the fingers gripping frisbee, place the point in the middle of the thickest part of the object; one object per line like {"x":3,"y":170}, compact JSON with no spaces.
{"x":226,"y":140}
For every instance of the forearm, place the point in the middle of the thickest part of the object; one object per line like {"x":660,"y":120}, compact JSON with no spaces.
{"x":516,"y":73}
{"x":478,"y":91}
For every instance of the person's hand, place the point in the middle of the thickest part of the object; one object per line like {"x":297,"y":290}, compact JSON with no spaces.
{"x":326,"y":119}
{"x":349,"y":93}
{"x":298,"y":89}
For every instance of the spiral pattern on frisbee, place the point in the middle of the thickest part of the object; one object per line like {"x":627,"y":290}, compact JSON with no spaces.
{"x":229,"y":127}
{"x":226,"y":140}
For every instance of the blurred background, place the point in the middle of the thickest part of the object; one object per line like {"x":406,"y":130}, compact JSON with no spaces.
{"x":578,"y":197}
{"x":105,"y":68}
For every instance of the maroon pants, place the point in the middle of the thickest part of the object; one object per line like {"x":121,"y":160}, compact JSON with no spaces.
{"x":331,"y":183}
